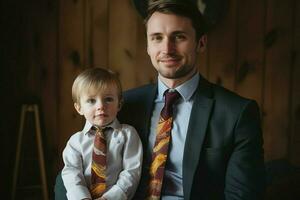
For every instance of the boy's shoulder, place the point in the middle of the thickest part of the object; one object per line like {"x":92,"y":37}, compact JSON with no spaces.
{"x":126,"y":127}
{"x":122,"y":126}
{"x":77,"y":137}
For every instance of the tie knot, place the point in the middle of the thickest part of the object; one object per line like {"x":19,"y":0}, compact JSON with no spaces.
{"x":100,"y":130}
{"x":170,"y":99}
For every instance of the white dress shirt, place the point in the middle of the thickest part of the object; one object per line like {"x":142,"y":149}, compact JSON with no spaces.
{"x":124,"y":162}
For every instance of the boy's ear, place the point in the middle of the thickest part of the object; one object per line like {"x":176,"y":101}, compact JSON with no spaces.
{"x":120,"y":104}
{"x":77,"y":107}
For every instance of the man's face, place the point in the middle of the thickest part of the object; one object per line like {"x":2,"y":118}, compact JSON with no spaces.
{"x":172,"y":46}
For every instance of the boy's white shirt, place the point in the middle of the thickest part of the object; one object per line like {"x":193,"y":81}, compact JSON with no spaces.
{"x":124,"y":162}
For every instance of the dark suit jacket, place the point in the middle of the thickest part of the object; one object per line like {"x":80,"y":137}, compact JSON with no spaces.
{"x":223,"y":154}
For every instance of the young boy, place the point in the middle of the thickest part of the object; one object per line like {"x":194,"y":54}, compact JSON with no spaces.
{"x":103,"y":161}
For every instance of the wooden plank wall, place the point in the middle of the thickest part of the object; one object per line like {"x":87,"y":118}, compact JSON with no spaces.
{"x":294,"y":144}
{"x":249,"y":51}
{"x":72,"y":60}
{"x":221,"y":49}
{"x":253,"y":50}
{"x":28,"y":75}
{"x":250,"y":61}
{"x":277,"y":78}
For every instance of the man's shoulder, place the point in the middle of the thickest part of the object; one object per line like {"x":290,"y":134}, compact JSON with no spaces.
{"x":135,"y":105}
{"x":224,"y":96}
{"x":139,"y":92}
{"x":141,"y":88}
{"x":220,"y":91}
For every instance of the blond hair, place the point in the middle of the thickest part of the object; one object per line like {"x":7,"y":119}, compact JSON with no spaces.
{"x":95,"y":79}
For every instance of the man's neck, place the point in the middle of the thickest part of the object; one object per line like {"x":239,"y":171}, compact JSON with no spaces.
{"x":173,"y":83}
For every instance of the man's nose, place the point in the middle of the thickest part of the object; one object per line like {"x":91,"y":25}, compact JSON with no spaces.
{"x":168,"y":46}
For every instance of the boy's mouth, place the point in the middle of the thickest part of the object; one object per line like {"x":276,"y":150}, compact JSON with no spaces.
{"x":101,"y":115}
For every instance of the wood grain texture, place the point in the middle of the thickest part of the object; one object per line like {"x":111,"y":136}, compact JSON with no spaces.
{"x":222,"y":50}
{"x":98,"y":37}
{"x":295,"y":89}
{"x":71,"y":57}
{"x":277,"y":78}
{"x":123,"y":41}
{"x":250,"y":49}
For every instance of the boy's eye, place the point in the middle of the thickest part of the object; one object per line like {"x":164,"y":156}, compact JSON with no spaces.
{"x":109,"y":99}
{"x":91,"y":101}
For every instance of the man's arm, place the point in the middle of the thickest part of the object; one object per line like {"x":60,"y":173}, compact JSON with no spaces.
{"x":245,"y":176}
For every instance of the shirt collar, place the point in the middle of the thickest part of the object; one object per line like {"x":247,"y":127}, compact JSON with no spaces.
{"x":87,"y":127}
{"x":186,"y":90}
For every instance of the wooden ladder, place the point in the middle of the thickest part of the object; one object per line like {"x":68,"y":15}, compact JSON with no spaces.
{"x":26,"y":108}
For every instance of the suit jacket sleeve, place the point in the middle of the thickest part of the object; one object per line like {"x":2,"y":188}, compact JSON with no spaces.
{"x":245,"y":175}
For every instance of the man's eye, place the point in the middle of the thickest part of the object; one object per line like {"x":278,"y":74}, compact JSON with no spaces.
{"x":180,"y":37}
{"x":156,"y":38}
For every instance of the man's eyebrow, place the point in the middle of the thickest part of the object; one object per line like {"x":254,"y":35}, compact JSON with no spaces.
{"x":178,"y":32}
{"x":173,"y":33}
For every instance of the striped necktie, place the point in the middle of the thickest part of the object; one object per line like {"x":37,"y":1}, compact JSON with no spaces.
{"x":161,"y":146}
{"x":98,"y":176}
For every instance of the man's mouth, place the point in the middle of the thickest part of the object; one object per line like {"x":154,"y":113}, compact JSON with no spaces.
{"x":169,"y":59}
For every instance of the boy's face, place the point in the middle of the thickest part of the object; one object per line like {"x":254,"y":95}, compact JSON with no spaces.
{"x":99,"y":108}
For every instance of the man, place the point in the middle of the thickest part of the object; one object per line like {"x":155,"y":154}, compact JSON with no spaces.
{"x":214,"y":147}
{"x":215,"y":150}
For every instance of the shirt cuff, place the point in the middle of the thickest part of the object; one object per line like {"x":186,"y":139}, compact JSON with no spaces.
{"x":115,"y":192}
{"x":79,"y":192}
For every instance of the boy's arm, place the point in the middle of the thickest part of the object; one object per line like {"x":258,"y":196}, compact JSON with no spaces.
{"x":129,"y":177}
{"x":72,"y":173}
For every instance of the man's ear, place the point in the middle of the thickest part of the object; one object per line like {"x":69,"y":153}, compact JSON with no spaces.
{"x":202,"y":43}
{"x":77,"y":107}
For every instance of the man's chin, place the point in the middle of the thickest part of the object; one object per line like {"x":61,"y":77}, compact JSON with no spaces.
{"x":168,"y":71}
{"x":168,"y":75}
{"x":176,"y":74}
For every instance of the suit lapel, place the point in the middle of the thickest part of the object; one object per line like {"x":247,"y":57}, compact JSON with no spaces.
{"x":196,"y":133}
{"x":149,"y":104}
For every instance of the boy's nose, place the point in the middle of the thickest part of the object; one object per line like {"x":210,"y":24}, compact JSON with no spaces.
{"x":100,"y":105}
